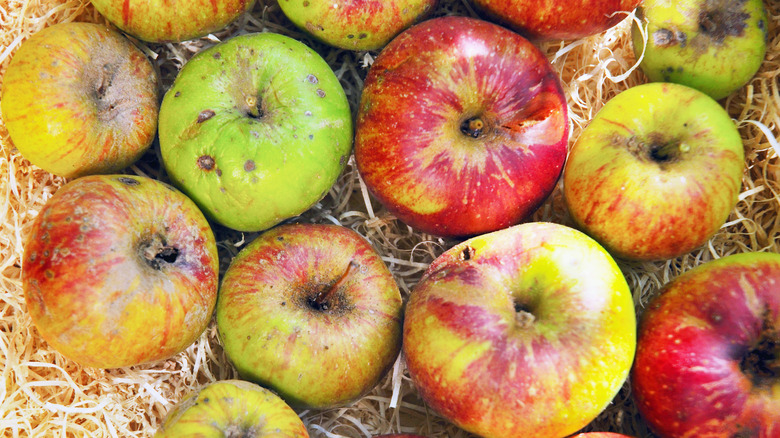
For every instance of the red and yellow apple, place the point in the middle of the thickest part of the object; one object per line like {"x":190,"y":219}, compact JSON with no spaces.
{"x":79,"y":99}
{"x":708,"y":354}
{"x":527,"y":331}
{"x":600,"y":435}
{"x":462,"y":127}
{"x":119,"y":270}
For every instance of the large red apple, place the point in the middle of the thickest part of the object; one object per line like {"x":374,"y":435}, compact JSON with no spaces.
{"x":708,"y":354}
{"x":120,"y":270}
{"x":462,"y":127}
{"x":528,"y":331}
{"x":558,"y":19}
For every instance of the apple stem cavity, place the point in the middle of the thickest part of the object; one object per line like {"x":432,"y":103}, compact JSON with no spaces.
{"x":472,"y":127}
{"x":323,"y":297}
{"x":252,"y":102}
{"x":762,"y":363}
{"x":523,"y":318}
{"x":157,"y":253}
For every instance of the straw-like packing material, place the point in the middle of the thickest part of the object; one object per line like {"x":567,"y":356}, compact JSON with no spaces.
{"x":44,"y":394}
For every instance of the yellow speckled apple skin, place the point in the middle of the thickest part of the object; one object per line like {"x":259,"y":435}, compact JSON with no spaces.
{"x":80,"y":99}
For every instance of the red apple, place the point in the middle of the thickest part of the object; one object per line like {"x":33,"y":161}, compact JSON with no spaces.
{"x":528,"y":331}
{"x":558,"y":19}
{"x":120,"y":270}
{"x":708,"y":354}
{"x":600,"y":435}
{"x":312,"y":312}
{"x":399,"y":435}
{"x":462,"y":127}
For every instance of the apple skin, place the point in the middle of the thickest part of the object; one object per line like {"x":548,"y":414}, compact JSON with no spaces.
{"x":600,"y":435}
{"x":255,"y":130}
{"x":161,"y":21}
{"x":417,"y":145}
{"x":708,"y":356}
{"x":541,"y":20}
{"x":647,"y":202}
{"x":79,"y":99}
{"x":314,"y":354}
{"x":355,"y":24}
{"x":527,"y":331}
{"x":120,"y":270}
{"x":715,"y":46}
{"x":399,"y":435}
{"x":232,"y":408}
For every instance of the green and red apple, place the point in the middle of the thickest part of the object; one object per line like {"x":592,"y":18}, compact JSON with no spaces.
{"x":715,"y":46}
{"x":255,"y":130}
{"x":160,"y":21}
{"x":708,"y":354}
{"x":557,"y":19}
{"x":79,"y":99}
{"x":312,"y":312}
{"x":462,"y":127}
{"x":527,"y":331}
{"x":119,"y":270}
{"x":232,"y":409}
{"x":356,"y":24}
{"x":656,"y":173}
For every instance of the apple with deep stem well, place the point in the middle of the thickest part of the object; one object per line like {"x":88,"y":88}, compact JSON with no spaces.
{"x":356,"y":24}
{"x":312,"y":312}
{"x":527,"y":331}
{"x":161,"y":21}
{"x":462,"y":127}
{"x":656,"y":172}
{"x":557,"y":19}
{"x":232,"y":409}
{"x":715,"y":46}
{"x":79,"y":99}
{"x":120,"y":270}
{"x":255,"y":130}
{"x":708,"y":353}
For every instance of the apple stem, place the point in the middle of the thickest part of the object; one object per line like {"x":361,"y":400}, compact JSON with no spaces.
{"x":669,"y":151}
{"x":251,"y":102}
{"x":323,"y":296}
{"x":472,"y":127}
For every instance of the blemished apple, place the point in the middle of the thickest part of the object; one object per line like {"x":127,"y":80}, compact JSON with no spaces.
{"x":462,"y":127}
{"x":161,"y":21}
{"x":527,"y":331}
{"x":312,"y":312}
{"x":541,"y":20}
{"x":656,"y":173}
{"x":232,"y":409}
{"x":80,"y":99}
{"x":356,"y":24}
{"x":119,"y":270}
{"x":255,"y":130}
{"x":715,"y":46}
{"x":708,"y":355}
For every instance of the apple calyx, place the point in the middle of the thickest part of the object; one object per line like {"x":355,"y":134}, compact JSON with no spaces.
{"x":323,"y":300}
{"x":524,"y":319}
{"x":761,"y":364}
{"x":156,"y":252}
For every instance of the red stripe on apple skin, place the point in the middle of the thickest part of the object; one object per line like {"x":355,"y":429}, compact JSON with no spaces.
{"x":127,"y":12}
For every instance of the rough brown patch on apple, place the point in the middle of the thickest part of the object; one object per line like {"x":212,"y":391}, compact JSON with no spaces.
{"x":206,"y":162}
{"x":156,"y":252}
{"x":205,"y":115}
{"x":249,"y":165}
{"x":723,"y":18}
{"x":467,"y":253}
{"x":128,"y":181}
{"x":241,"y":431}
{"x":667,"y":38}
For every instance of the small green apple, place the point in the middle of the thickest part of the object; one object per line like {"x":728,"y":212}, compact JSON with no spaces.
{"x":715,"y":46}
{"x":255,"y":130}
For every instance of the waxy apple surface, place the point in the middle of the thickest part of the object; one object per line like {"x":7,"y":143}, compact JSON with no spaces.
{"x":80,"y":99}
{"x":355,"y":24}
{"x":162,"y":21}
{"x":656,"y":172}
{"x":255,"y":130}
{"x":528,"y":331}
{"x":120,"y":270}
{"x":462,"y":127}
{"x":708,"y":354}
{"x":312,"y":312}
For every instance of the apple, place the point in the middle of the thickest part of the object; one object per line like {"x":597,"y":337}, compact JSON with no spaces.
{"x":527,"y":331}
{"x":79,"y":99}
{"x":119,"y":270}
{"x":400,"y":435}
{"x":462,"y":127}
{"x":542,"y":20}
{"x":708,"y":354}
{"x":160,"y":21}
{"x":355,"y":24}
{"x":312,"y":312}
{"x":600,"y":435}
{"x":255,"y":130}
{"x":232,"y":409}
{"x":715,"y":46}
{"x":656,"y":172}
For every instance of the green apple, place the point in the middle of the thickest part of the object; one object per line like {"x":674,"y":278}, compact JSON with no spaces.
{"x":715,"y":46}
{"x":656,"y":172}
{"x":232,"y":409}
{"x":79,"y":99}
{"x":255,"y":130}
